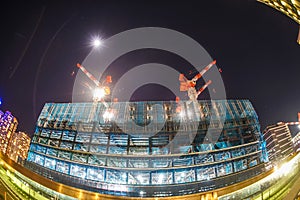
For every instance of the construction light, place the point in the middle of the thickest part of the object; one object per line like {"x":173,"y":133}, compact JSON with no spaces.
{"x":96,"y":41}
{"x":108,"y":115}
{"x":98,"y":94}
{"x":181,"y":114}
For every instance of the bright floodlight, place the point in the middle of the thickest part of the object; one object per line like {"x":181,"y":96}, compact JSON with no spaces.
{"x":108,"y":115}
{"x":98,"y":94}
{"x":97,"y":42}
{"x":181,"y":114}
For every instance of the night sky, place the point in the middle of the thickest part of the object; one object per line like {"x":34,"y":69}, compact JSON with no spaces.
{"x":254,"y":45}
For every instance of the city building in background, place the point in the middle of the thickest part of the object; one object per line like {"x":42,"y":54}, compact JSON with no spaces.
{"x":296,"y":142}
{"x":8,"y":125}
{"x":18,"y":146}
{"x":290,"y":8}
{"x":148,"y":149}
{"x":279,"y":142}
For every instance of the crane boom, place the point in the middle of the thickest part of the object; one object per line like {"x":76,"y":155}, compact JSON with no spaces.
{"x":204,"y":87}
{"x":88,"y":74}
{"x":185,"y":84}
{"x":204,"y":70}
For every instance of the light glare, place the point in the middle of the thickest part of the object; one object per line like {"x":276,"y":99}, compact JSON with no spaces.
{"x":98,"y":94}
{"x":108,"y":115}
{"x":97,"y":42}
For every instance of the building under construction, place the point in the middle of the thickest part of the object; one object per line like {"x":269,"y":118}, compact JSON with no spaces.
{"x":148,"y":149}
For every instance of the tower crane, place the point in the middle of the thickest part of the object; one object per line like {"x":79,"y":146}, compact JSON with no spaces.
{"x":189,"y":85}
{"x":101,"y":90}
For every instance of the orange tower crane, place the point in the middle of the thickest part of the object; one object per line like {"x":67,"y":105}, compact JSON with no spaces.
{"x":189,"y":85}
{"x":101,"y":90}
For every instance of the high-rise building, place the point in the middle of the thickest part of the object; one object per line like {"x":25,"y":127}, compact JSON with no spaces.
{"x":148,"y":149}
{"x":279,"y":142}
{"x":18,"y":146}
{"x":290,"y":8}
{"x":8,"y":125}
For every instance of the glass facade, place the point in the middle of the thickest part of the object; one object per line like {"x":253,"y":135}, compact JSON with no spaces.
{"x":123,"y":148}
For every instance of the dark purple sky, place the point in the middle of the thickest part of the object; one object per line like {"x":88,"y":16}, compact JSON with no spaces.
{"x":41,"y":42}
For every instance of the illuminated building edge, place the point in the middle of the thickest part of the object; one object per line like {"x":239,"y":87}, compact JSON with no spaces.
{"x":290,"y":8}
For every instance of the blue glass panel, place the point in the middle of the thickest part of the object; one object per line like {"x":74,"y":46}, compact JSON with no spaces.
{"x":31,"y":156}
{"x":32,"y":147}
{"x":161,"y":163}
{"x":95,"y":174}
{"x":138,"y":178}
{"x":162,"y":177}
{"x":206,"y":173}
{"x":52,"y":152}
{"x":117,"y":150}
{"x":39,"y":159}
{"x":68,"y":135}
{"x":99,"y":138}
{"x":204,"y":158}
{"x":96,"y":160}
{"x":45,"y":133}
{"x":40,"y":149}
{"x":182,"y":161}
{"x":50,"y":163}
{"x":66,"y":145}
{"x":80,"y":157}
{"x":81,"y":147}
{"x":78,"y":171}
{"x":64,"y":155}
{"x":83,"y":137}
{"x":240,"y":165}
{"x":62,"y":167}
{"x":184,"y":176}
{"x":222,"y":156}
{"x":135,"y":163}
{"x":114,"y":176}
{"x":56,"y":134}
{"x":96,"y":148}
{"x":253,"y":163}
